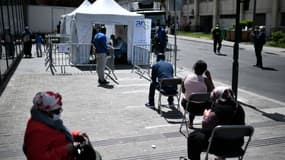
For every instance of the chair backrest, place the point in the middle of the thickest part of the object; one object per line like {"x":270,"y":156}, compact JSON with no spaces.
{"x":200,"y":97}
{"x":170,"y":82}
{"x":231,"y":132}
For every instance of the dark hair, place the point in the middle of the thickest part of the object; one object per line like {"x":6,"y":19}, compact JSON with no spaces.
{"x":160,"y":56}
{"x":103,"y":29}
{"x":200,"y":67}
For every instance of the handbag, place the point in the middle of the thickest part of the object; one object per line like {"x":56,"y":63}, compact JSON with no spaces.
{"x":85,"y":151}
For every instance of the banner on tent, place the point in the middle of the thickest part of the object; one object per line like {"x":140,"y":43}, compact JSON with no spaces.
{"x":142,"y":30}
{"x":64,"y":48}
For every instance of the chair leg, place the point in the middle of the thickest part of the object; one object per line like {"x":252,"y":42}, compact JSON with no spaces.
{"x":178,"y":103}
{"x":159,"y":104}
{"x":184,"y":121}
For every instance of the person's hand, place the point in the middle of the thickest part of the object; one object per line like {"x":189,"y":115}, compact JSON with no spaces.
{"x":79,"y":137}
{"x":206,"y":113}
{"x":207,"y":74}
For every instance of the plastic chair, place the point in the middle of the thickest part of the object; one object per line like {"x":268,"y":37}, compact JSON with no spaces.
{"x":201,"y":100}
{"x":229,"y":133}
{"x":169,"y":82}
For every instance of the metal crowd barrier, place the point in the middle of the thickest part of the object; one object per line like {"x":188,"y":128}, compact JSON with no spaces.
{"x":62,"y":55}
{"x":143,"y":59}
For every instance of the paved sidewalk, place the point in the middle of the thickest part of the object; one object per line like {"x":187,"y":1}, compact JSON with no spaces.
{"x":248,"y":45}
{"x":118,"y":123}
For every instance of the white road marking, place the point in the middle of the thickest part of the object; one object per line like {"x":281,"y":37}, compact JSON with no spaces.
{"x":159,"y":126}
{"x":135,"y":91}
{"x":133,"y":85}
{"x":133,"y":107}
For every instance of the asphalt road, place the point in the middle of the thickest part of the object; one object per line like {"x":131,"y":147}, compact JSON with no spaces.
{"x":267,"y":82}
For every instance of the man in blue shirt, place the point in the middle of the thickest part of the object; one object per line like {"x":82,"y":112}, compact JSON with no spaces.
{"x":160,"y":70}
{"x":39,"y":45}
{"x":100,"y":43}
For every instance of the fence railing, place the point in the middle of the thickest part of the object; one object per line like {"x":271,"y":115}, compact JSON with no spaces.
{"x":143,"y":59}
{"x":63,"y":55}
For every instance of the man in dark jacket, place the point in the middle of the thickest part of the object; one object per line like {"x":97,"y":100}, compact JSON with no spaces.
{"x":217,"y":37}
{"x":259,"y":39}
{"x":160,"y":70}
{"x":27,"y":38}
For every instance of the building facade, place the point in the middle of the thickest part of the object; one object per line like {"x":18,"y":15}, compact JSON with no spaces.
{"x":202,"y":15}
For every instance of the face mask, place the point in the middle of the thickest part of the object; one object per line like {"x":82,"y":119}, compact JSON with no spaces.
{"x":56,"y":116}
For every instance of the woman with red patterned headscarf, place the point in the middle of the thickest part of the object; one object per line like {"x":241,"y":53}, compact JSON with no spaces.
{"x":46,"y":137}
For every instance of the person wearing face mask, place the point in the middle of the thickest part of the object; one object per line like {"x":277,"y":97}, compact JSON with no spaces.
{"x":46,"y":137}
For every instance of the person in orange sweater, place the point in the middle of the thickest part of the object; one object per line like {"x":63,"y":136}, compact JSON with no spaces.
{"x":46,"y":137}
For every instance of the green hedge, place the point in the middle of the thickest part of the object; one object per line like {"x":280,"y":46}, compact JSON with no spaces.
{"x":278,"y":39}
{"x":244,"y":23}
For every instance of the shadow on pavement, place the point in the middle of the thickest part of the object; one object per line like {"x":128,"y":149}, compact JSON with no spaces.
{"x":221,"y":54}
{"x":269,"y":69}
{"x":93,"y":67}
{"x":172,"y":116}
{"x":274,"y":116}
{"x":107,"y":86}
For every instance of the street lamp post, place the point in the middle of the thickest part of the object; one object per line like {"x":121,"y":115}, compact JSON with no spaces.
{"x":236,"y":50}
{"x":253,"y":13}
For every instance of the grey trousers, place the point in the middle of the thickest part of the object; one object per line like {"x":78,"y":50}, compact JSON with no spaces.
{"x":39,"y":49}
{"x":100,"y":67}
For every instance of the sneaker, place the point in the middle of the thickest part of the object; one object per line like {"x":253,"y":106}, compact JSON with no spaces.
{"x":150,"y":105}
{"x":103,"y":82}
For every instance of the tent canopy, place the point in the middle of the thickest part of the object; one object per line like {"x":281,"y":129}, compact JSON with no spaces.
{"x":66,"y":18}
{"x":104,"y":12}
{"x":108,"y":7}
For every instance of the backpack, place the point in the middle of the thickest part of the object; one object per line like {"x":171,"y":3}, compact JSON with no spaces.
{"x":26,"y":38}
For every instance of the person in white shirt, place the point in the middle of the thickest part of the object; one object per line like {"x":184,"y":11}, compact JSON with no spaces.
{"x":196,"y":82}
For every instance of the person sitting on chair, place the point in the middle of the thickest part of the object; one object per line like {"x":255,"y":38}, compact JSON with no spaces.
{"x":225,"y":111}
{"x":196,"y":83}
{"x":46,"y":137}
{"x":160,"y":70}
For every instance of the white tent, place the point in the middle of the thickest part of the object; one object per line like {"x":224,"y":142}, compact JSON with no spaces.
{"x":104,"y":12}
{"x":66,"y":19}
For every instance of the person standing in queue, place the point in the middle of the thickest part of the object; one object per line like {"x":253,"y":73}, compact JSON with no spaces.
{"x":27,"y":38}
{"x":160,"y":40}
{"x":8,"y":43}
{"x":100,"y":44}
{"x":39,"y":45}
